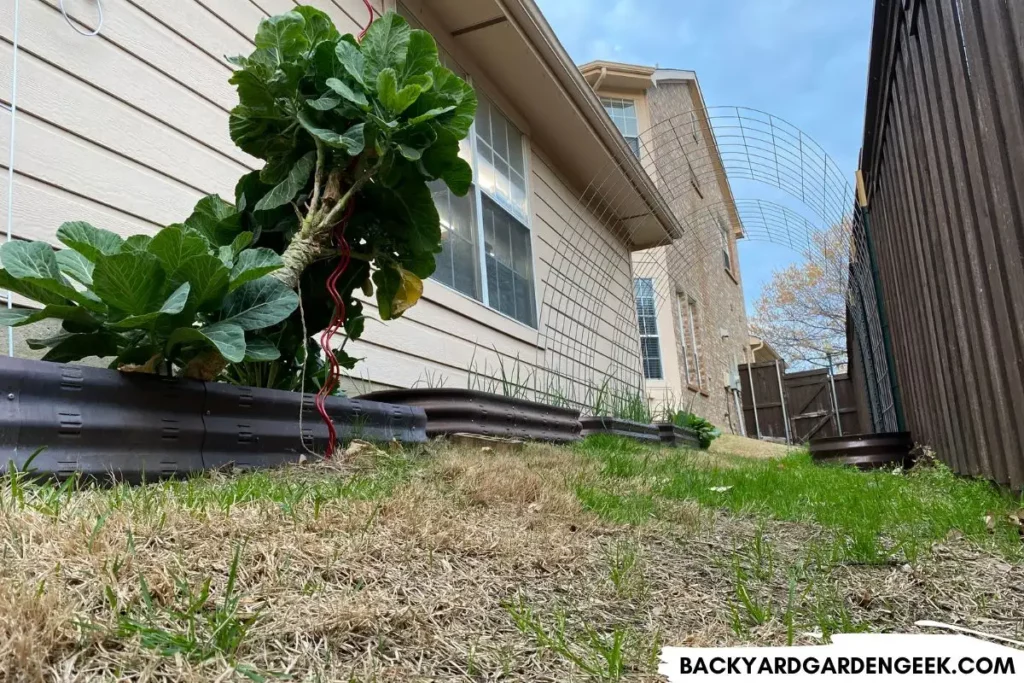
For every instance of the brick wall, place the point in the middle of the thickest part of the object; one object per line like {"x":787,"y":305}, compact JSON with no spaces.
{"x":680,"y":149}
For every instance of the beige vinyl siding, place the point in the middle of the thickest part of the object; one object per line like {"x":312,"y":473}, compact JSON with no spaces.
{"x":127,"y":130}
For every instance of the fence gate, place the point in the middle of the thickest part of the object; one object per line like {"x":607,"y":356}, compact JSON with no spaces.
{"x":797,"y":406}
{"x":764,"y":409}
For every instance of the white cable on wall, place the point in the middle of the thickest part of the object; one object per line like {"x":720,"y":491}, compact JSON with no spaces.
{"x":10,"y":160}
{"x":99,"y":20}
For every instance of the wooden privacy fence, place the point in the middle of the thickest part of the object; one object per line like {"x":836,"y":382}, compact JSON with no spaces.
{"x":943,"y":172}
{"x":798,"y":406}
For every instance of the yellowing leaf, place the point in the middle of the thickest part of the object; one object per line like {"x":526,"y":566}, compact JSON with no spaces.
{"x":409,"y":292}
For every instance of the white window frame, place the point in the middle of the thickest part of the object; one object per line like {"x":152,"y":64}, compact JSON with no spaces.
{"x":478,"y":194}
{"x":526,"y":222}
{"x":726,"y":244}
{"x":691,"y":306}
{"x":657,"y":332}
{"x":605,"y":101}
{"x":683,"y":335}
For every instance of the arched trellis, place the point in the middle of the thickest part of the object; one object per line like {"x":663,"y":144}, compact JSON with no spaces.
{"x":589,"y":318}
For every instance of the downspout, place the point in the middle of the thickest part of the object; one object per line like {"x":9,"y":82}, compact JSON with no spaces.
{"x":600,"y":79}
{"x":750,"y":381}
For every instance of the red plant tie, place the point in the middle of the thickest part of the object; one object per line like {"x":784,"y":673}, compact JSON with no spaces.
{"x":338,"y":320}
{"x":333,"y":329}
{"x":373,"y":13}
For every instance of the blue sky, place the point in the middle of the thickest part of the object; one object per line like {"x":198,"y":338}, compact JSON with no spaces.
{"x":802,"y":60}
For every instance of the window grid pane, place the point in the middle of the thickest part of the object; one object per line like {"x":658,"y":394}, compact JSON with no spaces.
{"x":647,"y":321}
{"x":503,"y":167}
{"x":509,"y":264}
{"x":623,"y":115}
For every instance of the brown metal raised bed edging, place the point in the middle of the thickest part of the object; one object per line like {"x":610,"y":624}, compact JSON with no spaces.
{"x":102,"y":422}
{"x":674,"y":435}
{"x":638,"y":431}
{"x":464,"y":411}
{"x":866,"y":451}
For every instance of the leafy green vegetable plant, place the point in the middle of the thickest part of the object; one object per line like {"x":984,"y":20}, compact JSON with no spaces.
{"x":192,"y":296}
{"x":706,"y":432}
{"x":351,"y":132}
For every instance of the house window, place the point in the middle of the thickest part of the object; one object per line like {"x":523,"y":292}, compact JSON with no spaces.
{"x":726,"y":245}
{"x":647,"y":319}
{"x":623,"y":114}
{"x":495,"y":215}
{"x":486,"y":245}
{"x":690,"y":334}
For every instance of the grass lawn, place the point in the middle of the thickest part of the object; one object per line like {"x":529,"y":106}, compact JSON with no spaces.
{"x":449,"y":563}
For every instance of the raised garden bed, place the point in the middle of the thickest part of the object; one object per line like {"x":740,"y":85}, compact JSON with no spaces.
{"x":639,"y":431}
{"x":464,"y":411}
{"x":865,"y":451}
{"x":131,"y":426}
{"x":674,"y":435}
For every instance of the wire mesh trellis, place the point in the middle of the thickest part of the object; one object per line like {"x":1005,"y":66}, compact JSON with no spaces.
{"x":590,"y":340}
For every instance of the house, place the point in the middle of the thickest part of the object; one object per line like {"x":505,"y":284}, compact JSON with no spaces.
{"x":690,"y":304}
{"x":534,"y":292}
{"x":763,"y":352}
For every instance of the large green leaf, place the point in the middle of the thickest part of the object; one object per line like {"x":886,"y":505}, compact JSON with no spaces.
{"x":352,"y":60}
{"x":174,"y":305}
{"x":261,"y":350}
{"x":216,"y":220}
{"x":421,"y":56}
{"x":318,"y":27}
{"x":261,"y":133}
{"x":283,"y":34}
{"x":259,"y":304}
{"x":130,"y":283}
{"x":89,"y":241}
{"x":30,"y":260}
{"x":136,"y":244}
{"x":35,"y":263}
{"x":75,"y":265}
{"x":394,"y":100}
{"x":253,"y":264}
{"x":173,"y":246}
{"x":227,"y":338}
{"x":442,"y":161}
{"x":29,"y":290}
{"x":385,"y":45}
{"x":348,"y":94}
{"x":209,"y":278}
{"x":75,"y":347}
{"x":353,"y":140}
{"x":324,"y":102}
{"x":291,"y":186}
{"x":16,"y":317}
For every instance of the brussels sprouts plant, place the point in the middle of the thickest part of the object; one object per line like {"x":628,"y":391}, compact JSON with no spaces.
{"x":351,"y":133}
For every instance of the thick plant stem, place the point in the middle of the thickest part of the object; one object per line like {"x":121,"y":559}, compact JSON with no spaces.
{"x":306,"y":246}
{"x":301,"y":252}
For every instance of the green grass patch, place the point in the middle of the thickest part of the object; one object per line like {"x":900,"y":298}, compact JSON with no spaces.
{"x":877,"y":516}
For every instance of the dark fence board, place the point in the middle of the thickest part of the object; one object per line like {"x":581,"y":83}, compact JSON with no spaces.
{"x":943,"y":160}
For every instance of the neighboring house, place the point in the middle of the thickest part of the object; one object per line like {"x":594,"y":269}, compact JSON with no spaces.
{"x":690,"y":305}
{"x":128,"y":130}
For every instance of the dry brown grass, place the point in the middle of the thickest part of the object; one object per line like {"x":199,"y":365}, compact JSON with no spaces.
{"x":432,"y":579}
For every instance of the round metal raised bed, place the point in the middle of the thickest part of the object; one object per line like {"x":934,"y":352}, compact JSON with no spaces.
{"x":866,"y":451}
